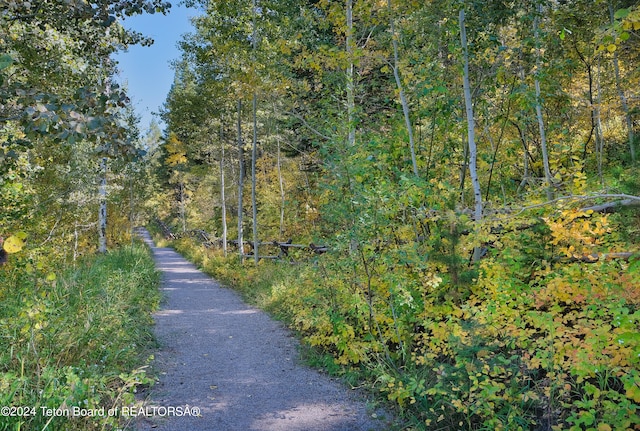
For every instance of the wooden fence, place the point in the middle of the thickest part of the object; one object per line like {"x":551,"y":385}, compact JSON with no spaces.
{"x":208,"y":241}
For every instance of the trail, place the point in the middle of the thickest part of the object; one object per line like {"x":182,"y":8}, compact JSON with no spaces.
{"x":235,"y":365}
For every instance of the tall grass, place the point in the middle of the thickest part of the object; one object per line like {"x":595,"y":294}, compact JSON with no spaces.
{"x":76,"y":340}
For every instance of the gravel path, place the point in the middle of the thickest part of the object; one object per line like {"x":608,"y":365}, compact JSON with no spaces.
{"x":236,"y":365}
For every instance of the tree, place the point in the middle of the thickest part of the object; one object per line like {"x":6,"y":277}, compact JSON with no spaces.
{"x":541,"y":128}
{"x":240,"y":182}
{"x":473,"y":149}
{"x":57,"y":102}
{"x":401,"y":93}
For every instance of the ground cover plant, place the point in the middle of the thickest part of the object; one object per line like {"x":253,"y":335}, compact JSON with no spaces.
{"x":538,"y":337}
{"x":76,"y":338}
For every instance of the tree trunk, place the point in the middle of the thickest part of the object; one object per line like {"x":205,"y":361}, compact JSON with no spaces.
{"x":183,"y":212}
{"x":403,"y":98}
{"x":598,"y":126}
{"x":254,"y":148}
{"x":473,"y":150}
{"x":282,"y":195}
{"x":102,"y":211}
{"x":131,"y":204}
{"x":543,"y":135}
{"x":350,"y":75}
{"x":223,"y":202}
{"x":240,"y":181}
{"x":254,"y":156}
{"x":623,"y":98}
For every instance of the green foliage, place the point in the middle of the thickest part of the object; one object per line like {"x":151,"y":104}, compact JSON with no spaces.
{"x":538,"y":334}
{"x":76,"y":338}
{"x":530,"y":343}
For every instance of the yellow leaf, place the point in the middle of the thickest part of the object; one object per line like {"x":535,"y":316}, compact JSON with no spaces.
{"x":51,"y":276}
{"x":612,"y":47}
{"x":13,"y":244}
{"x":634,"y":393}
{"x":176,"y":159}
{"x":604,"y":427}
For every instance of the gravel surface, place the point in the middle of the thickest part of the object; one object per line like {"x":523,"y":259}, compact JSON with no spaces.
{"x":236,"y":365}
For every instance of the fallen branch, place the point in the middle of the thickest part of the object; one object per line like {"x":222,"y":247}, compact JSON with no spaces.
{"x":627,"y":201}
{"x":595,"y":257}
{"x":611,"y":206}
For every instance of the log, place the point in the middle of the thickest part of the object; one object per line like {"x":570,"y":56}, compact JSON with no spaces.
{"x":624,"y":200}
{"x":318,"y":249}
{"x":610,"y":207}
{"x":595,"y":257}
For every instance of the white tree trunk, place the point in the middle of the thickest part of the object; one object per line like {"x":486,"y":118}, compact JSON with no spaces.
{"x":473,"y":150}
{"x":183,"y":207}
{"x":598,"y":126}
{"x":254,"y":149}
{"x":541,"y":128}
{"x":223,"y":201}
{"x":102,"y":211}
{"x":254,"y":204}
{"x":350,"y":75}
{"x":623,"y":97}
{"x":282,"y":195}
{"x":403,"y":98}
{"x":240,"y":181}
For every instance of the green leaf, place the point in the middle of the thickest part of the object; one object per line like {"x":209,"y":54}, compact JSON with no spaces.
{"x":621,"y":13}
{"x":5,"y":61}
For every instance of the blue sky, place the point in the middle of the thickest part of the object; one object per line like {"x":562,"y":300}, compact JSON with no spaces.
{"x":146,"y":71}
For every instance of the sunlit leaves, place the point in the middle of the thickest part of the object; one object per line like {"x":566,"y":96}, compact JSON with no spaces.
{"x":176,"y":153}
{"x":626,"y":22}
{"x":14,"y":243}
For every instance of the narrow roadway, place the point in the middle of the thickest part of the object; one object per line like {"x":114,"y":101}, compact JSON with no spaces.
{"x":235,"y":365}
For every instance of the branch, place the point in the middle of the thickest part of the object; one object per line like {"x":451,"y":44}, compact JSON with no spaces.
{"x":595,"y":257}
{"x":611,"y":205}
{"x":51,"y":232}
{"x":627,"y":200}
{"x":307,"y":125}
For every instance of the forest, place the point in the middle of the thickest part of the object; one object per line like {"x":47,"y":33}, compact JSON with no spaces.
{"x":442,"y":199}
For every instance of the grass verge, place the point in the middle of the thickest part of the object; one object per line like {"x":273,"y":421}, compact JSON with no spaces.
{"x":78,"y":340}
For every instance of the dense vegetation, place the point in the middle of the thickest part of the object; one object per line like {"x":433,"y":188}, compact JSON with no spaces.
{"x":74,"y":327}
{"x":471,"y":167}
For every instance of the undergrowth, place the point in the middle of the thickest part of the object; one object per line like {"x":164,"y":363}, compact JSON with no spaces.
{"x":75,"y":339}
{"x":540,"y":336}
